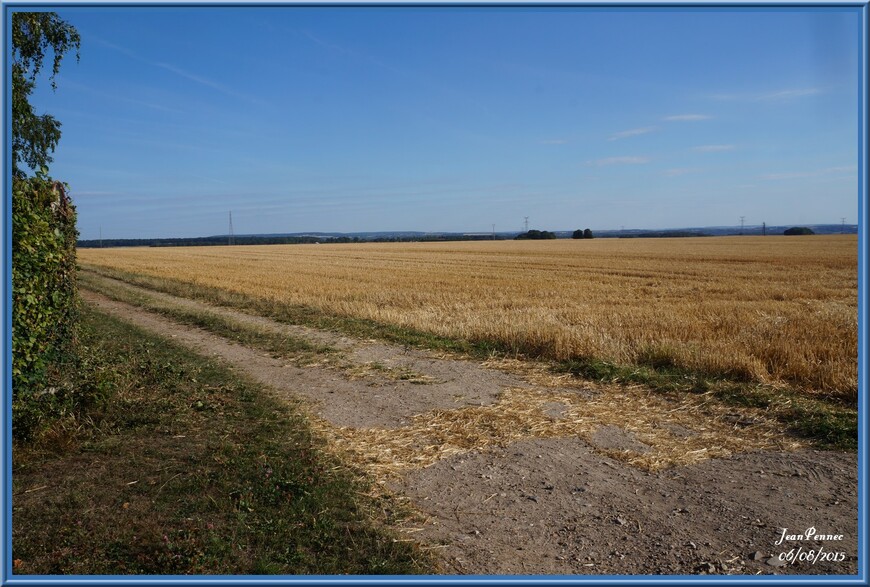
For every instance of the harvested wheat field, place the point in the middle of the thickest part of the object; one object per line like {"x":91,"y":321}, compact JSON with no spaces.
{"x":505,"y":466}
{"x":778,"y":310}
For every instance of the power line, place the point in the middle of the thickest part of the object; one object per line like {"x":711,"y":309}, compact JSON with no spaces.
{"x":526,"y":223}
{"x":230,"y":238}
{"x":741,"y":225}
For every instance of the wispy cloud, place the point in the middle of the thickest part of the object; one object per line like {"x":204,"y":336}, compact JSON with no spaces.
{"x":618,"y":161}
{"x":713,"y":148}
{"x":114,"y":97}
{"x":182,"y":73}
{"x":777,"y":96}
{"x":678,"y":171}
{"x":193,"y":77}
{"x":92,"y":193}
{"x":118,"y":48}
{"x":779,"y":176}
{"x":410,"y":74}
{"x":633,"y":133}
{"x":789,"y":94}
{"x":687,"y":117}
{"x":808,"y":174}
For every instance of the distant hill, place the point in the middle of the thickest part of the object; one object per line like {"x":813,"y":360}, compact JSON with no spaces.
{"x":417,"y":236}
{"x":717,"y":231}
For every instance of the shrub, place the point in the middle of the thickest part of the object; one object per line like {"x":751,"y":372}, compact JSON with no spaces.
{"x":43,"y":284}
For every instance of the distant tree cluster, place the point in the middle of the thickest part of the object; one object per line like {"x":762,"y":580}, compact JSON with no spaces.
{"x":582,"y":234}
{"x":798,"y":230}
{"x":535,"y":235}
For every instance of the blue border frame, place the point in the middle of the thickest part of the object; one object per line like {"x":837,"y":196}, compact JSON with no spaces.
{"x":6,"y":344}
{"x":7,"y":578}
{"x":863,"y":153}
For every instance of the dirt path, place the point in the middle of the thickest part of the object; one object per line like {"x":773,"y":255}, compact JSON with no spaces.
{"x":370,"y":399}
{"x":521,"y":472}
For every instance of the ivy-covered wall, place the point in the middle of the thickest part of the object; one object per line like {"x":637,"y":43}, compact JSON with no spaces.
{"x":43,"y":281}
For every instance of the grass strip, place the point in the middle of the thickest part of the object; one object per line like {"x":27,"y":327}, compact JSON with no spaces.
{"x":829,"y":423}
{"x":283,"y":345}
{"x":177,"y":465}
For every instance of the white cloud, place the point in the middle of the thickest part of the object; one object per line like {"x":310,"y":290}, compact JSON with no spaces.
{"x":789,"y":94}
{"x":677,"y":171}
{"x":806,"y":174}
{"x":687,"y":117}
{"x":713,"y":148}
{"x":779,"y":176}
{"x":618,"y":161}
{"x":633,"y":132}
{"x":780,"y":95}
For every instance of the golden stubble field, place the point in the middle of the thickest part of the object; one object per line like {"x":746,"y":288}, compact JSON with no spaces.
{"x":775,"y":309}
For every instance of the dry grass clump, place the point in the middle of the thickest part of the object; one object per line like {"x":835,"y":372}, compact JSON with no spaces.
{"x":768,"y":309}
{"x":681,"y":433}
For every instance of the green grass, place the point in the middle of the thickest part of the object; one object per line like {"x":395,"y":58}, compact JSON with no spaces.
{"x":245,"y":334}
{"x":829,"y":423}
{"x":176,"y":465}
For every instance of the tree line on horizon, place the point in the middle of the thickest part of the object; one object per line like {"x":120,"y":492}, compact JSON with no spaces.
{"x":223,"y":240}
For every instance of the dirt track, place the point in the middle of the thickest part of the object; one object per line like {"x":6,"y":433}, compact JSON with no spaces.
{"x":543,"y":504}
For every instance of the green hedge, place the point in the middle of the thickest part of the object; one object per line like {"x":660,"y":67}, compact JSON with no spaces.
{"x":43,"y":283}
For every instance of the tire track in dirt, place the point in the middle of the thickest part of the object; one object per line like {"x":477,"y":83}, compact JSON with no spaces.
{"x":533,"y":504}
{"x":343,"y":401}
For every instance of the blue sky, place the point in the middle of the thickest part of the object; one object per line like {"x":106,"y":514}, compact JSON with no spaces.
{"x":455,"y":119}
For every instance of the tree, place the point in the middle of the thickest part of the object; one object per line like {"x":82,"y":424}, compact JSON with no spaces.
{"x":587,"y":234}
{"x":535,"y":235}
{"x":577,"y":234}
{"x":34,"y":136}
{"x":798,"y":230}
